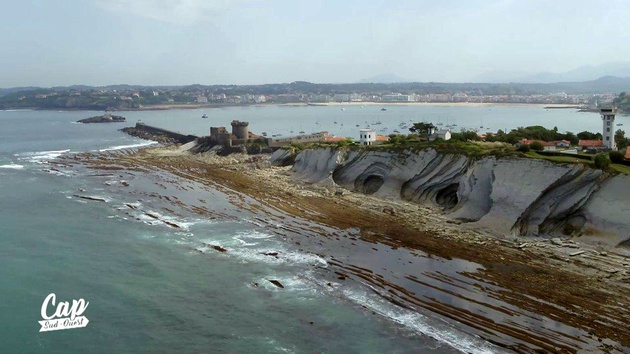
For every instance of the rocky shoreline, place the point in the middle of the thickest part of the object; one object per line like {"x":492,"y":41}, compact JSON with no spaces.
{"x":564,"y":282}
{"x":105,"y":118}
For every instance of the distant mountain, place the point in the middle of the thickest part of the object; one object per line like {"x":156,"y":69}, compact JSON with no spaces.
{"x":388,"y":78}
{"x":583,"y":73}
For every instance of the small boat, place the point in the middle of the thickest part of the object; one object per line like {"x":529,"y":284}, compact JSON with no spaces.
{"x":204,"y":116}
{"x":396,"y":131}
{"x":264,"y":133}
{"x":343,"y":109}
{"x":383,"y":109}
{"x":292,"y":130}
{"x":335,"y":122}
{"x":440,"y":123}
{"x":620,"y":124}
{"x":357,"y":125}
{"x":302,"y":132}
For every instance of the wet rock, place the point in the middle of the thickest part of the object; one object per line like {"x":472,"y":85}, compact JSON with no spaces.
{"x":276,"y":283}
{"x":89,"y":198}
{"x":217,"y":248}
{"x":106,"y":118}
{"x":273,"y":254}
{"x":171,"y":224}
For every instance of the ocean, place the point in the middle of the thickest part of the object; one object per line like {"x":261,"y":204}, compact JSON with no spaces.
{"x":156,"y":288}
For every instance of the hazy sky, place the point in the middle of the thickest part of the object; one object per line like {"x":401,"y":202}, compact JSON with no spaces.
{"x":99,"y":42}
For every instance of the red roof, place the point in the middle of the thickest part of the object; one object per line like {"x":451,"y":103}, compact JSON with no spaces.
{"x":333,"y":139}
{"x":382,"y":138}
{"x":628,"y":153}
{"x":590,"y":143}
{"x":544,"y":143}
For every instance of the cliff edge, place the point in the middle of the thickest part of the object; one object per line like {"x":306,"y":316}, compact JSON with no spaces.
{"x":507,"y":196}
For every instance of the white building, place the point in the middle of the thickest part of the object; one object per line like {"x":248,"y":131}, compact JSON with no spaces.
{"x":608,"y":132}
{"x":398,"y":97}
{"x":443,"y":134}
{"x":367,"y":136}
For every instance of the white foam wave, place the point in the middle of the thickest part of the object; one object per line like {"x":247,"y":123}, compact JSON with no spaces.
{"x":151,"y":217}
{"x":40,"y":156}
{"x":419,"y":323}
{"x":122,"y":147}
{"x":12,"y":166}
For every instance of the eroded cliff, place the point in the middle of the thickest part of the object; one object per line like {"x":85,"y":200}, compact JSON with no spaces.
{"x":508,"y":196}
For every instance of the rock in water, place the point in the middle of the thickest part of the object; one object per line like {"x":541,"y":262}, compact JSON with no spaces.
{"x":105,"y":118}
{"x":276,"y":283}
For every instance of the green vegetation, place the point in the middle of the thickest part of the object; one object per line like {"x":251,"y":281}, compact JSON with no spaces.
{"x":622,"y":102}
{"x":536,"y":146}
{"x":601,"y":161}
{"x":616,"y":156}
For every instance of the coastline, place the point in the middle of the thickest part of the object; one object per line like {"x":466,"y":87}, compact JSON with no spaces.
{"x":305,"y":104}
{"x":582,"y":293}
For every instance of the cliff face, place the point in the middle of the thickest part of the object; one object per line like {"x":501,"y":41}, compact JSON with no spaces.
{"x":508,"y":196}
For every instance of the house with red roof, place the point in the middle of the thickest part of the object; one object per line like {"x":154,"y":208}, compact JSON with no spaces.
{"x":628,"y":153}
{"x":585,"y":144}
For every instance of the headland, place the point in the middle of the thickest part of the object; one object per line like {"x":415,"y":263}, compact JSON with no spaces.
{"x":564,"y":273}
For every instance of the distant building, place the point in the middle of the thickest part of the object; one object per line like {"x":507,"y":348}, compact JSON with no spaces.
{"x":202,"y":99}
{"x":547,"y":145}
{"x":608,"y":131}
{"x":381,"y":139}
{"x":367,"y":136}
{"x":443,"y":134}
{"x":240,"y":134}
{"x":341,"y":97}
{"x":586,"y":144}
{"x":398,"y":97}
{"x":303,"y":138}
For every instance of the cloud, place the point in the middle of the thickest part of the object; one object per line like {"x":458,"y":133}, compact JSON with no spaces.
{"x":179,"y":12}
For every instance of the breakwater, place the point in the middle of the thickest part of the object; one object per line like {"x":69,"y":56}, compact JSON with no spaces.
{"x":161,"y":135}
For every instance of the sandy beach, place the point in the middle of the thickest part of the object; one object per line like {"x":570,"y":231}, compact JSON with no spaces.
{"x":540,"y":278}
{"x":354,"y":104}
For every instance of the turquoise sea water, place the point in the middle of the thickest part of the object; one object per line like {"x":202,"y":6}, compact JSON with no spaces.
{"x":154,"y":288}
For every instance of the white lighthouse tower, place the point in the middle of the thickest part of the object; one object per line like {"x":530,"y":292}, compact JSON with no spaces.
{"x":608,"y":132}
{"x":367,"y":136}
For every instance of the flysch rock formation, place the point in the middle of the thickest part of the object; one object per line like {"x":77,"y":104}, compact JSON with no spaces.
{"x":507,"y":196}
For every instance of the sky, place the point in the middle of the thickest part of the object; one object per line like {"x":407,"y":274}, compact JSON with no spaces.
{"x":178,"y":42}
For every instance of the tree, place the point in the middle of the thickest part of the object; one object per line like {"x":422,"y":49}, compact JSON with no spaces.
{"x":421,"y":127}
{"x":523,"y":148}
{"x":616,"y":156}
{"x":536,"y":146}
{"x":602,"y":161}
{"x":588,"y":135}
{"x":620,"y":139}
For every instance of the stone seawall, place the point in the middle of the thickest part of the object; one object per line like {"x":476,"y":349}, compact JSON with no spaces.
{"x":507,"y":196}
{"x":155,"y":133}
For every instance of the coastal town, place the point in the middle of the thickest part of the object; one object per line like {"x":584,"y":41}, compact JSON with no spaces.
{"x":125,"y":97}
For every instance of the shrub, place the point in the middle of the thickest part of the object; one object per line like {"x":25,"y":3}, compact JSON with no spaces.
{"x":616,"y":156}
{"x":523,"y":148}
{"x":601,"y":160}
{"x":536,"y":146}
